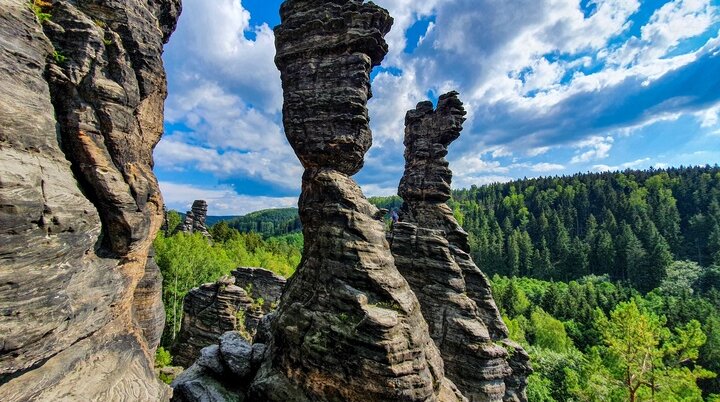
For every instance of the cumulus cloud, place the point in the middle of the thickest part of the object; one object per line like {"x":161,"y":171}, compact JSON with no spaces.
{"x":543,"y":81}
{"x":275,"y":168}
{"x":212,"y":42}
{"x":599,"y":148}
{"x":545,"y":167}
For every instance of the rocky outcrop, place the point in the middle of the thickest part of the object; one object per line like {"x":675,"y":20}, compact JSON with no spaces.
{"x":148,"y":309}
{"x":81,"y":108}
{"x":348,"y":326}
{"x":235,"y":303}
{"x":194,"y":221}
{"x":431,"y":251}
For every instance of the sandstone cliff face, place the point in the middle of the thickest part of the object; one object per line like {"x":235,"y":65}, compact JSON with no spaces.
{"x":208,"y":312}
{"x":81,"y":108}
{"x":431,"y":251}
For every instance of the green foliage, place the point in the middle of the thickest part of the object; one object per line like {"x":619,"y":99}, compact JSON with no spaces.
{"x":163,"y":358}
{"x":173,"y":220}
{"x":629,"y":225}
{"x":283,"y":221}
{"x":59,"y":57}
{"x":682,"y":277}
{"x":594,"y":333}
{"x":189,"y":260}
{"x":548,"y":332}
{"x":269,"y":222}
{"x":389,"y":203}
{"x":40,"y":8}
{"x":539,"y":388}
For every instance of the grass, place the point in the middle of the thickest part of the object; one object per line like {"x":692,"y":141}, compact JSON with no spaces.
{"x":59,"y":57}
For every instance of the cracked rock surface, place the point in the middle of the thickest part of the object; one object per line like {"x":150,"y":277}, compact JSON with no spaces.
{"x":348,"y":326}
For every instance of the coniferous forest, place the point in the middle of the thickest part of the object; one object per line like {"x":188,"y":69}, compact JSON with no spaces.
{"x":611,"y":281}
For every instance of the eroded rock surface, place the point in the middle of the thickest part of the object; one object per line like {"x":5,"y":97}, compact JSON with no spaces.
{"x":81,"y":108}
{"x":222,"y":373}
{"x":348,"y":326}
{"x":148,"y":309}
{"x":431,"y":251}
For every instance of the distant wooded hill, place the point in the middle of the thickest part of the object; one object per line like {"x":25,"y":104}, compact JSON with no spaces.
{"x":281,"y":221}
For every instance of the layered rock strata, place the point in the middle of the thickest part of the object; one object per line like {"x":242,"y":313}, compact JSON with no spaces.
{"x":230,"y":304}
{"x":194,"y":221}
{"x":81,"y":108}
{"x":431,"y":251}
{"x":348,"y":326}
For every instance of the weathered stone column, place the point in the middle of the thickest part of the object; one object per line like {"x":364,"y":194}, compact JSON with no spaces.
{"x":431,"y":251}
{"x":348,"y":327}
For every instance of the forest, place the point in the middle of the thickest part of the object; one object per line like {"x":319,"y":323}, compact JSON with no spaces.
{"x":611,"y":281}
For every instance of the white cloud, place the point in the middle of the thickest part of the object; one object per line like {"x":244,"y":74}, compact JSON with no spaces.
{"x":599,"y":149}
{"x":221,"y":201}
{"x":471,"y":165}
{"x":374,"y":190}
{"x":546,"y":167}
{"x":223,"y":120}
{"x":276,"y":168}
{"x":536,"y":76}
{"x":627,"y":165}
{"x":709,"y":117}
{"x":392,"y":97}
{"x":532,"y":152}
{"x":210,"y":43}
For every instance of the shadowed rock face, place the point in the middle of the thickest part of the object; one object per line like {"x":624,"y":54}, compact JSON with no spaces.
{"x":79,"y":204}
{"x":431,"y":251}
{"x":348,"y":326}
{"x":262,"y":284}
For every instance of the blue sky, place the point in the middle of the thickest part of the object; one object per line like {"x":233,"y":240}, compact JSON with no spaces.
{"x":551,"y":87}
